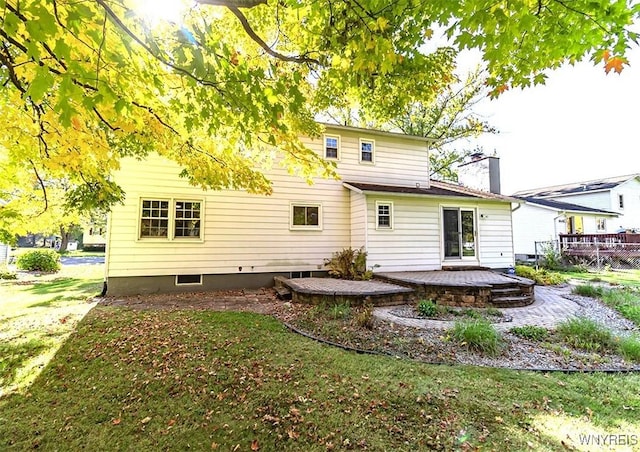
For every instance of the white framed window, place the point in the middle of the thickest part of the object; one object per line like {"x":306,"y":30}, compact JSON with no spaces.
{"x":306,"y":216}
{"x":170,"y":219}
{"x":621,"y":201}
{"x":154,"y":218}
{"x":187,"y":219}
{"x":331,"y":147}
{"x":384,"y":215}
{"x":601,"y":224}
{"x":367,"y":151}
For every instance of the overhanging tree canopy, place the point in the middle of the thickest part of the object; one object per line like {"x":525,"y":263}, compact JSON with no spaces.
{"x":83,"y":84}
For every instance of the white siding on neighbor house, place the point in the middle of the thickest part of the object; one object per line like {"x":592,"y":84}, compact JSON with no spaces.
{"x":596,"y":200}
{"x":4,"y":253}
{"x":630,"y":214}
{"x":534,"y":224}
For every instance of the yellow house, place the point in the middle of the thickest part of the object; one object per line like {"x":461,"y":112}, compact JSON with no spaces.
{"x":170,"y":236}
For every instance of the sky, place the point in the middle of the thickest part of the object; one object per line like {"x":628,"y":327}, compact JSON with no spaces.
{"x":582,"y":125}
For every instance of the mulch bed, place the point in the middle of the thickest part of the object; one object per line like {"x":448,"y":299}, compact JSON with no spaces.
{"x":426,"y":345}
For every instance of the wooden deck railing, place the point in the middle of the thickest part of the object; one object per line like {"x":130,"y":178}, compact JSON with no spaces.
{"x":623,"y":245}
{"x":566,"y":240}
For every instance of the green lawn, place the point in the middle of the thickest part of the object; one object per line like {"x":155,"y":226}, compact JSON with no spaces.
{"x":628,"y":278}
{"x":158,"y":380}
{"x":37,"y":313}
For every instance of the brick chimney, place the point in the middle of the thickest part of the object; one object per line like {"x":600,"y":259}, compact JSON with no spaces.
{"x":481,"y":172}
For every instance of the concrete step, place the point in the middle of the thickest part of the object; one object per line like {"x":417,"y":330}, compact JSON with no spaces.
{"x":283,"y":293}
{"x":506,"y":291}
{"x":511,"y":302}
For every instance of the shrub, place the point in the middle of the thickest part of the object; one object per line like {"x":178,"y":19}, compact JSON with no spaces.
{"x":44,"y":260}
{"x":532,"y":332}
{"x":427,"y":308}
{"x":479,"y":335}
{"x":551,"y":257}
{"x":586,"y":334}
{"x":364,"y":318}
{"x":540,"y":276}
{"x":6,"y":274}
{"x":349,"y":264}
{"x":629,"y":348}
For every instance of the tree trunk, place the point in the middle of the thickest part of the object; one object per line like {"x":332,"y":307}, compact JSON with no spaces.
{"x":64,"y":234}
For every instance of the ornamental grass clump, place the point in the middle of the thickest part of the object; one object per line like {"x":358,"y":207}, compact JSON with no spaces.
{"x":629,"y":348}
{"x":531,"y":332}
{"x":585,"y":334}
{"x":478,"y":334}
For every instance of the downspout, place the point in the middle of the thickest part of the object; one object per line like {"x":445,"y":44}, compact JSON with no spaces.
{"x":513,"y":245}
{"x":106,"y":256}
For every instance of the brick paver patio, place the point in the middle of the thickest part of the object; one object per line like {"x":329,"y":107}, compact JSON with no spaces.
{"x":549,"y":309}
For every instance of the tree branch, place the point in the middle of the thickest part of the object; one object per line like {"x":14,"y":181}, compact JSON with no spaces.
{"x":233,"y":3}
{"x":252,"y":34}
{"x":114,"y":17}
{"x":44,"y":189}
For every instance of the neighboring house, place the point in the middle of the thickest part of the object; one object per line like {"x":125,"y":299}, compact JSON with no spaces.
{"x":619,"y":195}
{"x":541,"y":220}
{"x":94,"y":237}
{"x":170,"y":236}
{"x":4,"y":253}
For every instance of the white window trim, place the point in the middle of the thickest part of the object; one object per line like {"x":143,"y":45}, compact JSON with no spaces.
{"x":293,"y":227}
{"x":604,"y":223}
{"x":384,"y":228}
{"x":172,"y":217}
{"x":324,"y":146}
{"x":373,"y":151}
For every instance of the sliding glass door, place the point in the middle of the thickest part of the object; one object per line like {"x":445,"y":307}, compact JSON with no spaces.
{"x":459,"y":233}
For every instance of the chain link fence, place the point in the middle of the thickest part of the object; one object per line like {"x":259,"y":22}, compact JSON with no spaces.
{"x":592,"y":254}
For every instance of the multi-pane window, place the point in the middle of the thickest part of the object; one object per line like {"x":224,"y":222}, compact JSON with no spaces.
{"x":366,"y":151}
{"x":331,"y":146}
{"x":384,"y":215}
{"x":621,"y":201}
{"x":154,"y":221}
{"x":160,"y":218}
{"x":187,"y":222}
{"x":305,"y":216}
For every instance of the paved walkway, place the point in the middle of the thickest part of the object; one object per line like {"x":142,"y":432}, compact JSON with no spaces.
{"x":549,"y":309}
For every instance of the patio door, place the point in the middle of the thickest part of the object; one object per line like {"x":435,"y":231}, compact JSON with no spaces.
{"x":459,"y":233}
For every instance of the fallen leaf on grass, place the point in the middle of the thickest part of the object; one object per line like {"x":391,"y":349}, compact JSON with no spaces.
{"x":146,"y":419}
{"x":116,"y":421}
{"x":255,"y":445}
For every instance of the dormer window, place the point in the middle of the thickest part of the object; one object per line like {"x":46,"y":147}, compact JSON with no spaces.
{"x":332,"y":147}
